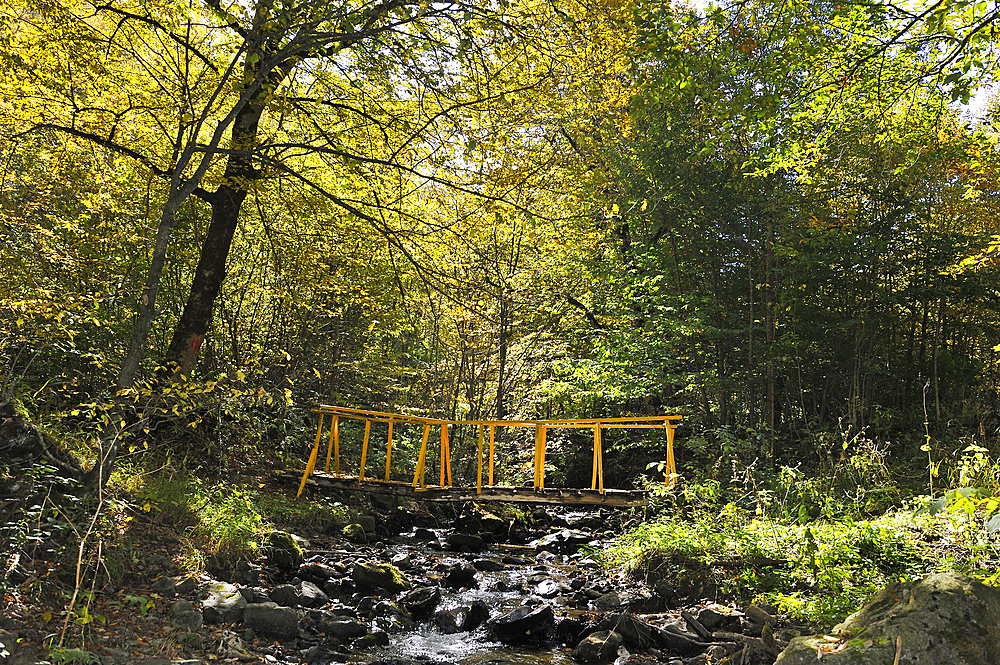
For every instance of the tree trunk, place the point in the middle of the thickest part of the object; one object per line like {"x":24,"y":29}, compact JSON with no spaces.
{"x":211,"y":271}
{"x":197,"y":316}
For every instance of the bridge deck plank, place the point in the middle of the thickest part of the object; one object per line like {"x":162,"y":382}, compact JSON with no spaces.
{"x":560,"y":495}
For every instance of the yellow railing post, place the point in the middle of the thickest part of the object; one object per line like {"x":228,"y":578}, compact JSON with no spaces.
{"x":364,"y":450}
{"x":388,"y":453}
{"x":445,"y":455}
{"x":492,"y":432}
{"x":336,"y":445}
{"x":600,"y":463}
{"x":539,"y":456}
{"x":597,"y":455}
{"x":479,"y":476}
{"x":329,"y":444}
{"x":311,"y":464}
{"x":671,"y":470}
{"x":418,"y":474}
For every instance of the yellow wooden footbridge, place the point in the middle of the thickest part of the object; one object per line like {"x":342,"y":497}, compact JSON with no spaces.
{"x":483,"y":489}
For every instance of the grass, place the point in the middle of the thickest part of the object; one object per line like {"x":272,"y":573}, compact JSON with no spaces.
{"x":819,"y":571}
{"x":218,"y":518}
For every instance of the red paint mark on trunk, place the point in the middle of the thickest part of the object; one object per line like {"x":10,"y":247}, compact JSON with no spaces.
{"x":196,"y":344}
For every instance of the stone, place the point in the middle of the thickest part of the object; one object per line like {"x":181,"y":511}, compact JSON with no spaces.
{"x":367,"y":522}
{"x":345,"y":629}
{"x":548,"y":589}
{"x":711,"y":619}
{"x":316,"y":655}
{"x":375,"y":639}
{"x":165,"y":587}
{"x":222,"y":603}
{"x":421,"y":533}
{"x":449,"y":621}
{"x":523,"y":624}
{"x":461,"y":574}
{"x":317,"y":573}
{"x":759,"y":615}
{"x":8,"y":646}
{"x":271,"y":621}
{"x":366,"y":605}
{"x":462,"y":619}
{"x":355,"y":533}
{"x":478,"y":614}
{"x":391,"y":617}
{"x":402,"y":561}
{"x":942,"y":619}
{"x":608,"y":601}
{"x":285,"y":595}
{"x":647,"y":603}
{"x":369,"y":575}
{"x":422,"y":602}
{"x":465,"y":541}
{"x":488,"y":565}
{"x":282,"y":550}
{"x":597,"y":647}
{"x":311,"y":595}
{"x":183,"y":615}
{"x":564,"y":541}
{"x":186,"y":586}
{"x":635,"y":634}
{"x":571,"y":630}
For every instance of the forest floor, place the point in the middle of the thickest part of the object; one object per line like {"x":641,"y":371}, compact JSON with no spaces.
{"x":86,"y":585}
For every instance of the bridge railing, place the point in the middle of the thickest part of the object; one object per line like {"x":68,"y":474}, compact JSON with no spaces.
{"x":331,"y":417}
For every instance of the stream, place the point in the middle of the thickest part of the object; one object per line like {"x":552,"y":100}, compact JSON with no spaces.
{"x":473,"y":589}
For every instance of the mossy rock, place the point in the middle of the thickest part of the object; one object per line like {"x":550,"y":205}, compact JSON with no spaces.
{"x":370,"y":575}
{"x":282,"y":551}
{"x":943,"y":619}
{"x":355,"y":533}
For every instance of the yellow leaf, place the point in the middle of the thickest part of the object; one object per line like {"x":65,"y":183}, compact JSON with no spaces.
{"x":645,"y":203}
{"x":131,"y":449}
{"x":47,"y":616}
{"x":145,"y":444}
{"x":316,"y":372}
{"x":146,"y":507}
{"x":614,"y":209}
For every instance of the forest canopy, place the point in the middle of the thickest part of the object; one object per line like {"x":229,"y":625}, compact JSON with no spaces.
{"x":777,"y":219}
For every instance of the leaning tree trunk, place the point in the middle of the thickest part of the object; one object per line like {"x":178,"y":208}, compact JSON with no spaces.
{"x":226,"y":203}
{"x":197,"y":316}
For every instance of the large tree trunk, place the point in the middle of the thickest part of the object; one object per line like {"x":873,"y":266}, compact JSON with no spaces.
{"x":226,"y":203}
{"x":197,"y":316}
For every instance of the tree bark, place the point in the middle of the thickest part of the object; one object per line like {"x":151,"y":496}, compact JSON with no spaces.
{"x":226,"y":202}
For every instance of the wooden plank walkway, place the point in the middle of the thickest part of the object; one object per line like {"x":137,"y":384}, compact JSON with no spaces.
{"x":546,"y":495}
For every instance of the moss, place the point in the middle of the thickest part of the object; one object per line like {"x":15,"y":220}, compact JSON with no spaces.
{"x":282,"y":550}
{"x":355,"y":533}
{"x":368,"y":575}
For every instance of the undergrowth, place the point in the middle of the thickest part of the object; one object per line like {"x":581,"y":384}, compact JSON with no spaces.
{"x":817,"y":546}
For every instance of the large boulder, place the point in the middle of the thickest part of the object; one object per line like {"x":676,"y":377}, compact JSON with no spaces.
{"x":222,"y":603}
{"x":943,"y":619}
{"x":523,"y":624}
{"x":565,"y":541}
{"x":368,"y":575}
{"x":282,"y":550}
{"x":601,"y":646}
{"x":271,"y":621}
{"x":422,"y":602}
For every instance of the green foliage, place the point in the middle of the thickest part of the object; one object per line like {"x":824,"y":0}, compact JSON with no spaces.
{"x":73,"y":657}
{"x":818,"y":572}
